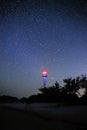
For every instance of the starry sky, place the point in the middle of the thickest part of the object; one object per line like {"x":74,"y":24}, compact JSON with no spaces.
{"x":37,"y":35}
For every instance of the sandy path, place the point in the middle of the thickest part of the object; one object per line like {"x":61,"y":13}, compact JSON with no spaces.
{"x":12,"y":119}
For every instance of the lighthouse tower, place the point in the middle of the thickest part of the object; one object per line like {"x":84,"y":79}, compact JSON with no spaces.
{"x":44,"y":76}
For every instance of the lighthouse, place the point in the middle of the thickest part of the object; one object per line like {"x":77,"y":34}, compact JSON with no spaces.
{"x":44,"y":76}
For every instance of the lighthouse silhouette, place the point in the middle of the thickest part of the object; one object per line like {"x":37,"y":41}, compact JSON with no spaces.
{"x":44,"y":76}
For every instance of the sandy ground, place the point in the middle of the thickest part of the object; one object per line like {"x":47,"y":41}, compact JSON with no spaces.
{"x":75,"y":114}
{"x":13,"y":119}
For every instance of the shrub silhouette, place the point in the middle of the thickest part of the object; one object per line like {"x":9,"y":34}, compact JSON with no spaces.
{"x":65,"y":94}
{"x":8,"y":99}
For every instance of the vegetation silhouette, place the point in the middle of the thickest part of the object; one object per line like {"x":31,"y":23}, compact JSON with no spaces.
{"x":8,"y":99}
{"x":67,"y":94}
{"x":23,"y":100}
{"x":63,"y":94}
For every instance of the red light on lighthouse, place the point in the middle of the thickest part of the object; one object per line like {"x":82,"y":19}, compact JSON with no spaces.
{"x":44,"y":73}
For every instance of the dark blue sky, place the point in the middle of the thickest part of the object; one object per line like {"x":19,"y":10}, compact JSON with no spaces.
{"x":37,"y":35}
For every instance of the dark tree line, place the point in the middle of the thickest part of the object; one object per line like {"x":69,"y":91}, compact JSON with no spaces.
{"x":63,"y":94}
{"x":66,"y":94}
{"x":8,"y":99}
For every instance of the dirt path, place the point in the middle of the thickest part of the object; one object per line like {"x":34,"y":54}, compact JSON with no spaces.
{"x":12,"y":119}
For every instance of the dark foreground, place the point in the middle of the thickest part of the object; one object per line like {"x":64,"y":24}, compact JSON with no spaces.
{"x":11,"y":119}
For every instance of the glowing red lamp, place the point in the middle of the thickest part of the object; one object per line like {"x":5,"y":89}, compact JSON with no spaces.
{"x":44,"y":73}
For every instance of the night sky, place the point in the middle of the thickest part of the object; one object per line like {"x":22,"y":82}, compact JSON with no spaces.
{"x":37,"y":35}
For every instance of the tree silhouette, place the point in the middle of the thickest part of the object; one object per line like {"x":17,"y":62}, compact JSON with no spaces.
{"x":63,"y":94}
{"x":50,"y":90}
{"x":51,"y":93}
{"x":72,"y":85}
{"x":83,"y":81}
{"x":8,"y":99}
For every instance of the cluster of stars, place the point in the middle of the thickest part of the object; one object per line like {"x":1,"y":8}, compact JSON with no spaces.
{"x":37,"y":35}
